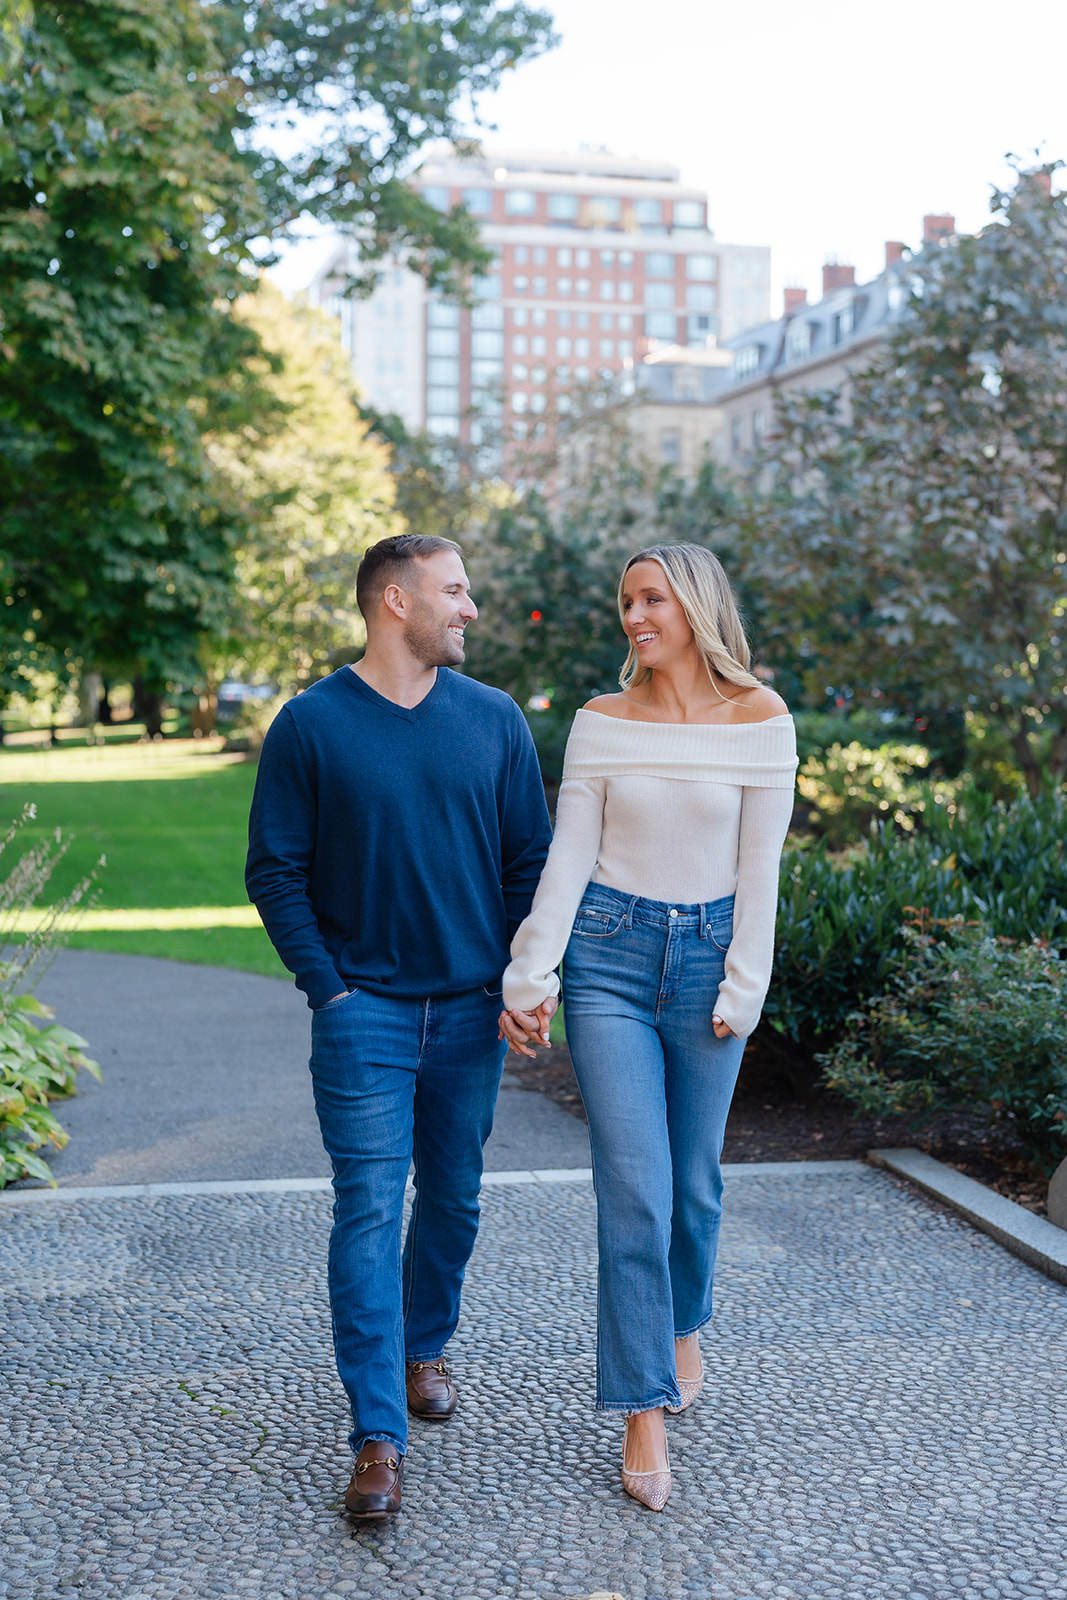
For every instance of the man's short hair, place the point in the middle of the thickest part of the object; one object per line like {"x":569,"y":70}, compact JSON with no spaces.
{"x":391,"y":561}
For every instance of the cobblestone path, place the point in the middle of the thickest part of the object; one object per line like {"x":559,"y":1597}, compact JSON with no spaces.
{"x":885,"y":1415}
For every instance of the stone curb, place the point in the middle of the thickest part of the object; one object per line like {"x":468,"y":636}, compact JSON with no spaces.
{"x":141,"y":1191}
{"x":1034,"y":1240}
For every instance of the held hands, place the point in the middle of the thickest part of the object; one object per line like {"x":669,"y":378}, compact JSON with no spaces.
{"x":721,"y":1029}
{"x":525,"y":1028}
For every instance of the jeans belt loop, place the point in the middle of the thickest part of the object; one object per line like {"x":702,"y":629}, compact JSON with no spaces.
{"x":703,"y":919}
{"x":629,"y":919}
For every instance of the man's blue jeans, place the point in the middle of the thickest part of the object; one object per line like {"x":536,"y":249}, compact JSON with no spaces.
{"x":395,"y":1080}
{"x":640,"y":980}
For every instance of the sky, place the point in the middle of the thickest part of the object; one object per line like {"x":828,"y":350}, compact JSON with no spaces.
{"x":821,"y":128}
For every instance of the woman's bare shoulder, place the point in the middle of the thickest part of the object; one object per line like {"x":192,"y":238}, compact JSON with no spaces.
{"x":760,"y":703}
{"x":609,"y":705}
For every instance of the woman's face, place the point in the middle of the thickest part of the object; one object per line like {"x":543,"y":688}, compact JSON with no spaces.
{"x":654,"y":622}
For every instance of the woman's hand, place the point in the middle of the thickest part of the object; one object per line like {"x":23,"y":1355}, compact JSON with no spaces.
{"x":524,"y":1028}
{"x":721,"y":1029}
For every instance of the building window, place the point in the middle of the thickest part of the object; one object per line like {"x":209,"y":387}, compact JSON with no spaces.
{"x":626,"y":260}
{"x":581,"y":319}
{"x":797,"y":340}
{"x":537,"y":374}
{"x":520,"y":202}
{"x":484,"y":374}
{"x":563,"y":374}
{"x":581,"y":347}
{"x":701,"y":329}
{"x":659,"y":294}
{"x":521,"y":255}
{"x":539,"y":317}
{"x":688,"y":214}
{"x":658,"y":264}
{"x":843,"y":323}
{"x":519,"y":344}
{"x":700,"y":296}
{"x":521,"y":283}
{"x":607,"y":321}
{"x":563,"y":347}
{"x":563,"y":208}
{"x":487,"y":344}
{"x":701,"y":269}
{"x":435,"y":195}
{"x":537,"y":402}
{"x":518,"y":372}
{"x":660,"y":325}
{"x":735,"y":436}
{"x":626,"y":350}
{"x":563,"y":258}
{"x":649,"y":213}
{"x":607,"y":349}
{"x":439,"y":314}
{"x":626,"y":291}
{"x":519,"y":401}
{"x":540,"y":286}
{"x":479,"y":202}
{"x":487,"y":317}
{"x":581,"y":374}
{"x":520,"y":317}
{"x":607,"y":258}
{"x":582,"y":258}
{"x":607,"y":289}
{"x":540,"y":255}
{"x":441,"y":370}
{"x":563,"y":319}
{"x":538,"y":345}
{"x":603,"y":211}
{"x":581,"y":288}
{"x":488,"y":288}
{"x":442,"y":342}
{"x":443,"y":426}
{"x":757,"y":428}
{"x":442,"y":402}
{"x":563,"y":287}
{"x":670,"y":447}
{"x":746,"y":361}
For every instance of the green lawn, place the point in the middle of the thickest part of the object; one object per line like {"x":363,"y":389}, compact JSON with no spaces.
{"x":172,"y":823}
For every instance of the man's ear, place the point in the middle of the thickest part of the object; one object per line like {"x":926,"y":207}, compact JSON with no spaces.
{"x":395,"y":600}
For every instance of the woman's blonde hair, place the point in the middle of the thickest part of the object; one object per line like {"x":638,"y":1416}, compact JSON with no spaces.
{"x":703,"y":591}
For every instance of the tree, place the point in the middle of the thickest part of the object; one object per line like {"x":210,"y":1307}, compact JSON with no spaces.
{"x":914,"y":538}
{"x":139,"y":167}
{"x":316,"y":490}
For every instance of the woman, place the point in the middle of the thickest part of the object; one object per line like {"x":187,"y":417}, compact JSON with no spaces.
{"x":661,"y":886}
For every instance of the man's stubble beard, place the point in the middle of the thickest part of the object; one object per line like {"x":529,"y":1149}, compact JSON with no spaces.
{"x":429,"y":640}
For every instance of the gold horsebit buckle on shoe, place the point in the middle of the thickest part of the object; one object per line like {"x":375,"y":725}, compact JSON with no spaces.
{"x":390,"y":1462}
{"x":428,"y":1366}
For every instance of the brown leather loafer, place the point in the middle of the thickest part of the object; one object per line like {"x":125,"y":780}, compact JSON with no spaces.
{"x":375,"y":1487}
{"x":431,"y":1392}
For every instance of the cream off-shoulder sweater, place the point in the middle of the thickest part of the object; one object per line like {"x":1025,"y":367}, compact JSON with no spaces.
{"x":676,"y":812}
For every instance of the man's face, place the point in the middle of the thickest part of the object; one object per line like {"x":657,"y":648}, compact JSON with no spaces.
{"x":441,"y":607}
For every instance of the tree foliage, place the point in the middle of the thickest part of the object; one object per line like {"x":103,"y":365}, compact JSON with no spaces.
{"x":914,"y":539}
{"x":316,"y":490}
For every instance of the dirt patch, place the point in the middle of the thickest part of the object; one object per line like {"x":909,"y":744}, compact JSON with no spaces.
{"x":770,"y":1122}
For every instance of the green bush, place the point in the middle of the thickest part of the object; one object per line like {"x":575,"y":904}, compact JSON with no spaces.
{"x":839,"y":932}
{"x":849,"y":786}
{"x":969,"y":1021}
{"x":37,"y":1064}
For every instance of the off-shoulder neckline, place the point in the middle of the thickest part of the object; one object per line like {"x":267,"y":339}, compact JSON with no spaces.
{"x":640,"y":722}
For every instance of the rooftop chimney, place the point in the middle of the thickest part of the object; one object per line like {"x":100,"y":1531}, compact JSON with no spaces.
{"x":794,"y":299}
{"x":937,"y":228}
{"x":837,"y":276}
{"x":894,"y":251}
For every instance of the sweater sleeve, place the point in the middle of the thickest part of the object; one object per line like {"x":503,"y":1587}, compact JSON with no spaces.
{"x":765,"y":816}
{"x":281,"y":846}
{"x":538,"y":947}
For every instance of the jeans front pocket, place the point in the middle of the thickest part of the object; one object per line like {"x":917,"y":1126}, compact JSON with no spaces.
{"x":593,"y":924}
{"x":338,"y":1000}
{"x":720,"y":934}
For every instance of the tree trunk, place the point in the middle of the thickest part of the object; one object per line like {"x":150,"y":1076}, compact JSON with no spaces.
{"x":148,"y":707}
{"x":1029,"y":765}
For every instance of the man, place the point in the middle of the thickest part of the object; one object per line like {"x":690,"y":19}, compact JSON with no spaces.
{"x":397,"y":834}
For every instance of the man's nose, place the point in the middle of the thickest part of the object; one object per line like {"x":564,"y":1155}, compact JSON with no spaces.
{"x":469,"y":609}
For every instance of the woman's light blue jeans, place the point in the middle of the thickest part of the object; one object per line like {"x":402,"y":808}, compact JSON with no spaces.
{"x":398,"y":1080}
{"x":640,"y":978}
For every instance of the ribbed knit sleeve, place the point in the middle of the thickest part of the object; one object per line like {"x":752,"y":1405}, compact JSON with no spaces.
{"x":538,"y":947}
{"x":765,"y":815}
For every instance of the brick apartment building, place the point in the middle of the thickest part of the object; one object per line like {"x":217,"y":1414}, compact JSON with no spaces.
{"x":598,"y":261}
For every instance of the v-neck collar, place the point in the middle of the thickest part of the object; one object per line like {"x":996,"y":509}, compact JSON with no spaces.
{"x":405,"y":713}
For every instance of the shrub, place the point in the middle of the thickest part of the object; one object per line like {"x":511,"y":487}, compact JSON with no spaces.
{"x":37,"y":1064}
{"x":847,"y":787}
{"x":969,"y":1021}
{"x":839,"y":933}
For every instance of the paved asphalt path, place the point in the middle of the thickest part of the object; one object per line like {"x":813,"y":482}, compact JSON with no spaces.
{"x":205,"y":1078}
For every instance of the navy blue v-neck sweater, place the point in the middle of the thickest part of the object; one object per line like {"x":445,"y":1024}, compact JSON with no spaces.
{"x":396,"y":849}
